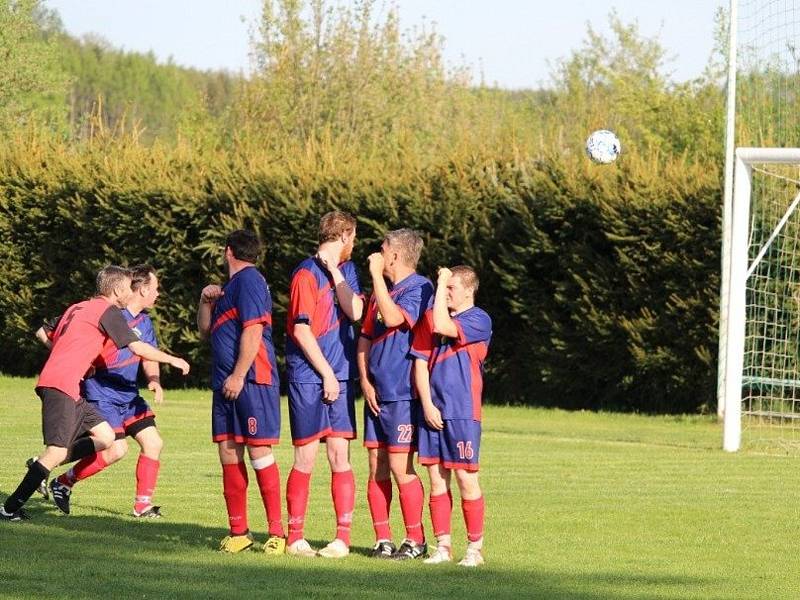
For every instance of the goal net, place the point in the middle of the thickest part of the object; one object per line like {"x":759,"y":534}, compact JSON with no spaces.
{"x":760,"y":310}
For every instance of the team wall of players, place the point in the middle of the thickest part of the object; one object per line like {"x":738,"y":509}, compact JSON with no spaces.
{"x":418,"y":361}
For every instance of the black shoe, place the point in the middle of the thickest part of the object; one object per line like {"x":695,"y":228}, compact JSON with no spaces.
{"x":60,"y":493}
{"x":42,"y":489}
{"x":383,"y":549}
{"x":151,"y":512}
{"x":20,"y":515}
{"x":410,"y":550}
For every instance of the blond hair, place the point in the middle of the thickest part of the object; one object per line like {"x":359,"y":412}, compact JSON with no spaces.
{"x":468,"y":276}
{"x":335,"y":223}
{"x":408,"y":244}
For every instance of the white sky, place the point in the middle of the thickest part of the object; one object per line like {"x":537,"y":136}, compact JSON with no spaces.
{"x":511,"y":40}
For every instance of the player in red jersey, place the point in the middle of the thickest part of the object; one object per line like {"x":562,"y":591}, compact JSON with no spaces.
{"x":391,"y":407}
{"x":113,"y":391}
{"x":246,"y":392}
{"x":325,"y":300}
{"x":71,"y":428}
{"x":450,"y":347}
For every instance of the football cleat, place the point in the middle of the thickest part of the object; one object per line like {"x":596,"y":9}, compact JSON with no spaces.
{"x":19,"y":515}
{"x":473,"y":558}
{"x":236,"y":543}
{"x":151,"y":512}
{"x":440,"y":555}
{"x":275,"y":545}
{"x":410,"y":549}
{"x":42,"y":489}
{"x":383,"y":549}
{"x":60,"y":494}
{"x":336,"y":549}
{"x":300,"y":548}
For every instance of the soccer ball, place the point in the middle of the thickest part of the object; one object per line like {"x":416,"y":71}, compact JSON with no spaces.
{"x":603,"y":146}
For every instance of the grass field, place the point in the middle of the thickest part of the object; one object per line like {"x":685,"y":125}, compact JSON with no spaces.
{"x":579,"y":505}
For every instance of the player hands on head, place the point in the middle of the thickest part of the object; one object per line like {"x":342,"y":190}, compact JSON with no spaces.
{"x":245,"y":407}
{"x":72,"y":429}
{"x":450,"y":347}
{"x":324,"y":301}
{"x":391,"y":406}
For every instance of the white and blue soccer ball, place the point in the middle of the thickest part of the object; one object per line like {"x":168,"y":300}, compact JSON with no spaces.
{"x":603,"y":146}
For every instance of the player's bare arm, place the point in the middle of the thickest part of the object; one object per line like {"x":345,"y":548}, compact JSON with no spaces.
{"x":433,"y":416}
{"x":310,"y":347}
{"x":152,"y":373}
{"x":249,"y":343}
{"x":443,"y":323}
{"x":208,"y":297}
{"x":41,"y":335}
{"x":352,"y":304}
{"x":147,"y":352}
{"x":390,"y":312}
{"x":362,"y":360}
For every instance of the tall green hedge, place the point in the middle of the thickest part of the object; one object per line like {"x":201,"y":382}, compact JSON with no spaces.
{"x":602,"y":281}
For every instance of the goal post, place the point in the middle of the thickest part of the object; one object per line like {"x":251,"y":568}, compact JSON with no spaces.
{"x":761,"y":355}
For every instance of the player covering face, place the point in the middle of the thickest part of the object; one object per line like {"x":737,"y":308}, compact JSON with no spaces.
{"x":449,"y":349}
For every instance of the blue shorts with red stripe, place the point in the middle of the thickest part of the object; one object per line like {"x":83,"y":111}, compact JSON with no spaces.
{"x":126,"y":419}
{"x":395,"y":427}
{"x":312,"y":419}
{"x":457,"y":446}
{"x":254,"y":418}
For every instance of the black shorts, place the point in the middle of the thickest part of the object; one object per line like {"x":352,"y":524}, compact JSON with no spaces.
{"x":63,"y":419}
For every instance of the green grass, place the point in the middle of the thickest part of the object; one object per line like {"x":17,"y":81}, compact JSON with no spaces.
{"x":579,"y":505}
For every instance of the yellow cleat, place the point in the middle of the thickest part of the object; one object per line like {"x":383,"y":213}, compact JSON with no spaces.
{"x":236,"y":543}
{"x":275,"y":545}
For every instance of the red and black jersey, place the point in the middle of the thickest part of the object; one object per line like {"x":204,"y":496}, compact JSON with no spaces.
{"x":77,"y":341}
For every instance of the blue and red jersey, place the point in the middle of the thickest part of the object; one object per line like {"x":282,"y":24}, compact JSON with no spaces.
{"x":312,"y":300}
{"x":116,"y":372}
{"x":389,"y":360}
{"x":456,"y":364}
{"x":246,"y":300}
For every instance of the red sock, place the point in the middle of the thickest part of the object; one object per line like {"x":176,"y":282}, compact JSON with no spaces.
{"x":441,"y":507}
{"x":146,"y":477}
{"x":86,"y":467}
{"x":296,"y":503}
{"x":379,"y":498}
{"x":473,"y":518}
{"x":343,"y":492}
{"x":412,"y":498}
{"x":234,"y":488}
{"x":269,"y":483}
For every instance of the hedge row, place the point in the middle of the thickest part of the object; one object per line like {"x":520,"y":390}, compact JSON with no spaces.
{"x":602,"y":281}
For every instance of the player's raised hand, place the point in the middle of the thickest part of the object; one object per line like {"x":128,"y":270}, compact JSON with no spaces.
{"x":444,"y":275}
{"x":433,"y":416}
{"x":210,"y":293}
{"x":330,"y":388}
{"x":376,"y":264}
{"x":181,"y":364}
{"x":370,"y":397}
{"x":158,"y":392}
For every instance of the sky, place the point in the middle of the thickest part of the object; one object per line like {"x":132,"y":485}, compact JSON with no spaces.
{"x":514,"y":43}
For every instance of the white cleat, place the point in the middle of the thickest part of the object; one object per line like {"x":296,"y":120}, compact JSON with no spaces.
{"x":300,"y":548}
{"x":440,"y":555}
{"x":473,"y":558}
{"x":336,"y":549}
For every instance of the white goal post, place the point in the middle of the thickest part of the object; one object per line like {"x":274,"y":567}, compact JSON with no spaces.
{"x":741,"y":269}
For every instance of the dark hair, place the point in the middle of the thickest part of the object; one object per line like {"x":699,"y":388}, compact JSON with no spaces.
{"x":108,"y":278}
{"x":140,"y":275}
{"x":468,"y":276}
{"x":244,"y":244}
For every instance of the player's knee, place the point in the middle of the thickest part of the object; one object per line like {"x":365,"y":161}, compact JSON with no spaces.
{"x":117,"y":451}
{"x":468,"y":484}
{"x":153,"y":446}
{"x":104,"y":438}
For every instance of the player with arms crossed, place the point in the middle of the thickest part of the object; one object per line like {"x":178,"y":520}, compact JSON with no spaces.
{"x":450,"y":346}
{"x":71,"y":428}
{"x":246,"y":391}
{"x":325,"y":300}
{"x":391,"y":407}
{"x":113,"y":392}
